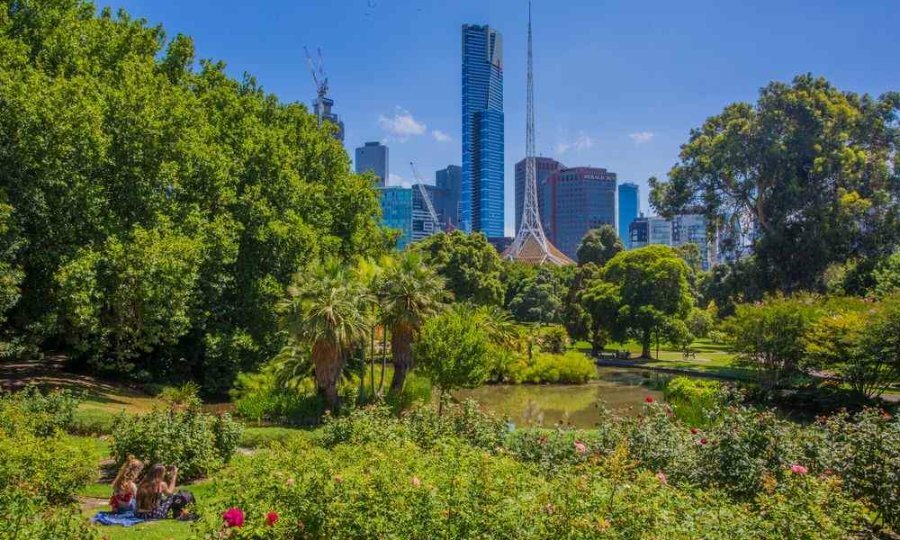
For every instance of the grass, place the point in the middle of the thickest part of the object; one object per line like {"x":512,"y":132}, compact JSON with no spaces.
{"x":711,"y":358}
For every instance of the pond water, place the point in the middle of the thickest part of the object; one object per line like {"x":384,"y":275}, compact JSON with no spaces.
{"x":620,"y":390}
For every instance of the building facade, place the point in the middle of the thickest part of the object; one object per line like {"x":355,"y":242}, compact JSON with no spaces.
{"x":481,"y":188}
{"x":374,"y":156}
{"x":328,"y":115}
{"x":579,"y":199}
{"x":423,"y":224}
{"x":397,"y":212}
{"x":629,"y":209}
{"x":446,"y":195}
{"x":691,"y":229}
{"x":644,"y":231}
{"x":543,"y":167}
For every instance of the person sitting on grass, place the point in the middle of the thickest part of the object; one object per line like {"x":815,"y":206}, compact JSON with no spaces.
{"x":154,"y":494}
{"x":124,"y":488}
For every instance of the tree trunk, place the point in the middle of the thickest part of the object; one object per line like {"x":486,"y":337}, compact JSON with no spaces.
{"x":328,"y":363}
{"x":645,"y":345}
{"x":372,"y":362}
{"x":401,"y":347}
{"x":383,"y":359}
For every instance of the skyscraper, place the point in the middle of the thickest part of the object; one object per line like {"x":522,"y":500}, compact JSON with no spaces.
{"x":644,"y":231}
{"x":691,"y":229}
{"x":446,"y":195}
{"x":327,"y":115}
{"x":481,"y":193}
{"x":629,"y":207}
{"x":544,"y":167}
{"x":373,"y":156}
{"x":397,"y":211}
{"x":580,"y":199}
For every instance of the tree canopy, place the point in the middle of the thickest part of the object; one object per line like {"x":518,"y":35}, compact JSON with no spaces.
{"x":155,"y":209}
{"x":468,"y":262}
{"x":808,"y":170}
{"x":599,"y":245}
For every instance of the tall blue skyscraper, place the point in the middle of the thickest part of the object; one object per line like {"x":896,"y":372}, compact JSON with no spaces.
{"x":481,"y":193}
{"x":373,"y":156}
{"x":629,"y":207}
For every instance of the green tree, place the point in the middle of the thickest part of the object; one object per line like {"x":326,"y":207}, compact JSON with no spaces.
{"x":808,"y":164}
{"x":770,"y":336}
{"x":409,"y":292}
{"x":858,"y":340}
{"x":599,"y":245}
{"x":452,"y":351}
{"x":325,"y":311}
{"x":468,"y":262}
{"x":539,"y":299}
{"x":886,"y":275}
{"x":114,"y":147}
{"x":602,"y":302}
{"x":650,"y":286}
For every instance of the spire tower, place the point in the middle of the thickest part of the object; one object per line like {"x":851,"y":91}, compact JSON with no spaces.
{"x":531,"y":244}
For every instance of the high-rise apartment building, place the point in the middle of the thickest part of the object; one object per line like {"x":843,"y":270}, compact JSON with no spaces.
{"x":481,"y":193}
{"x":691,"y":229}
{"x":644,"y":231}
{"x":373,"y":156}
{"x":579,"y":199}
{"x":543,"y":168}
{"x":397,"y":211}
{"x":446,"y":195}
{"x":629,"y":208}
{"x":329,"y":116}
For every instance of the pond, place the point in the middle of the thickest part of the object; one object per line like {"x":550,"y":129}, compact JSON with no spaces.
{"x":618,"y":389}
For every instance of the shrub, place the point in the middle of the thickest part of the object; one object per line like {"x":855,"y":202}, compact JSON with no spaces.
{"x":197,"y":443}
{"x":27,"y":517}
{"x":390,"y":487}
{"x":694,"y":400}
{"x":573,"y":367}
{"x":700,"y":322}
{"x":554,"y":340}
{"x":37,"y":413}
{"x":864,"y":450}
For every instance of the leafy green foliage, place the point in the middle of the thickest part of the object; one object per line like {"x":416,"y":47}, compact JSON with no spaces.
{"x":153,"y":212}
{"x":639,"y":291}
{"x":810,"y":165}
{"x":196,"y":442}
{"x":539,"y":298}
{"x":599,"y":246}
{"x":469,"y":263}
{"x":37,"y":413}
{"x":571,"y":367}
{"x":554,"y":340}
{"x":887,"y":275}
{"x":452,"y":350}
{"x":424,"y":476}
{"x":770,"y":336}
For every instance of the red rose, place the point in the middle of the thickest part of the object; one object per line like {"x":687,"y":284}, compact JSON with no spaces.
{"x":271,"y":518}
{"x":649,"y":399}
{"x":234,"y":517}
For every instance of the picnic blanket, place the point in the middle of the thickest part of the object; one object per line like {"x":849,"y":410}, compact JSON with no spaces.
{"x":125,"y":519}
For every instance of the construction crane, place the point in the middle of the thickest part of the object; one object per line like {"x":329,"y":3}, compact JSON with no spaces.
{"x":317,"y":70}
{"x":424,"y":193}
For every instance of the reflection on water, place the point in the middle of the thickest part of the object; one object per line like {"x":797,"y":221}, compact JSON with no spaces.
{"x":620,"y":390}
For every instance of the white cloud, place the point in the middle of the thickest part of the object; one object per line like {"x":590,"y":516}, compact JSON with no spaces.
{"x":641,"y":137}
{"x":397,"y":180}
{"x":440,"y":136}
{"x":402,"y":124}
{"x":582,"y":142}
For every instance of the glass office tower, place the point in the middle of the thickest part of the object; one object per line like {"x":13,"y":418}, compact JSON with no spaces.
{"x":481,"y":193}
{"x":629,"y":207}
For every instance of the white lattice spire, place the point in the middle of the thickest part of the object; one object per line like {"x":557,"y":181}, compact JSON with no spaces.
{"x":531,"y":244}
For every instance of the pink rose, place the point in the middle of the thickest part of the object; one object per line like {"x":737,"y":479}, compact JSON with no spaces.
{"x":290,"y":482}
{"x":580,"y":447}
{"x":799,"y":469}
{"x":663,"y":479}
{"x":415,"y":481}
{"x":234,"y":517}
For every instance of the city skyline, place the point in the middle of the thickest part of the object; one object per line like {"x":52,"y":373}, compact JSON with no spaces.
{"x":624,"y":102}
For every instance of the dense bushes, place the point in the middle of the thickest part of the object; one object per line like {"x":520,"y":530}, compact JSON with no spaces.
{"x":572,"y":367}
{"x":41,"y":470}
{"x":196,"y":442}
{"x":373,"y":476}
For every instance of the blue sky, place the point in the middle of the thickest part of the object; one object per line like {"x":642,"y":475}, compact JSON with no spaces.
{"x":618,"y":84}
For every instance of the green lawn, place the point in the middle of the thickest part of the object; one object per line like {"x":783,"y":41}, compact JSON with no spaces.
{"x":711,"y":358}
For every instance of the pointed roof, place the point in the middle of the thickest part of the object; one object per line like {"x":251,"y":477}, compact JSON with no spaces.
{"x":532,"y":252}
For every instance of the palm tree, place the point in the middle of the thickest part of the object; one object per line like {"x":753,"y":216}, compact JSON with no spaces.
{"x":410,"y":291}
{"x":325,"y":311}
